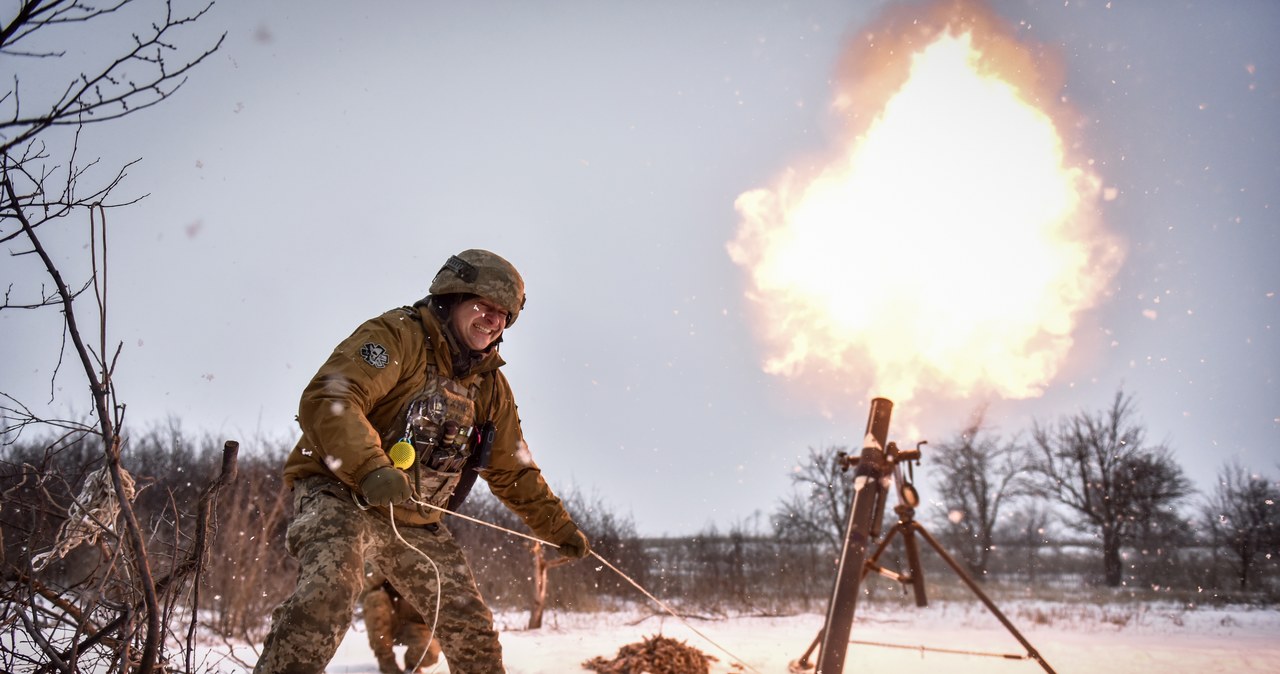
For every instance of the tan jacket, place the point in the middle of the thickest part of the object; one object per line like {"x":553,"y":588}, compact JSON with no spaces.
{"x":359,"y":397}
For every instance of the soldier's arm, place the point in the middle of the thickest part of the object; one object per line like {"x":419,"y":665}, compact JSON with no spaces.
{"x":514,"y":476}
{"x":334,"y":405}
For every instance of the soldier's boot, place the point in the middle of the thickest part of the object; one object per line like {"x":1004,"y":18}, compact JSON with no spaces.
{"x":378,"y":622}
{"x":420,"y":653}
{"x":387,"y":664}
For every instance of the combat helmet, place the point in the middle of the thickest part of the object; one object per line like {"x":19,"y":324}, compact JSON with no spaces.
{"x":480,"y":272}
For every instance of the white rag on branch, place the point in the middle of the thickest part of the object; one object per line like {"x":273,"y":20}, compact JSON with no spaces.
{"x":94,"y":511}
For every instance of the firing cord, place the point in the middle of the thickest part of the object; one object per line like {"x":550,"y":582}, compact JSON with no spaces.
{"x":435,"y":619}
{"x":604,"y":561}
{"x":948,"y":651}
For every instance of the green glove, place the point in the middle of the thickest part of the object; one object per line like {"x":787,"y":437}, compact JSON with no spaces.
{"x":386,"y":485}
{"x":576,"y":547}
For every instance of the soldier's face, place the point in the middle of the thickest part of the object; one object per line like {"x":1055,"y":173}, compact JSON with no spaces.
{"x":477,"y":323}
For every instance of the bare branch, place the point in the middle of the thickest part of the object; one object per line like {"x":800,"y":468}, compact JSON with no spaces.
{"x":109,"y":94}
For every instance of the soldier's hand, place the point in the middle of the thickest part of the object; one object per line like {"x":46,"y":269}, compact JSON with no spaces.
{"x":576,"y":546}
{"x":386,"y":485}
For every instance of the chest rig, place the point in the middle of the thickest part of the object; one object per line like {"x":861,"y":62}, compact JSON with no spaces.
{"x":440,"y":424}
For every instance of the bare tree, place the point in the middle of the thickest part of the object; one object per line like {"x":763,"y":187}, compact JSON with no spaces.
{"x":37,"y":193}
{"x":979,"y":473}
{"x":1156,"y":487}
{"x":1242,"y":517}
{"x":1100,"y":466}
{"x":541,"y":567}
{"x":1027,"y":530}
{"x":818,"y":509}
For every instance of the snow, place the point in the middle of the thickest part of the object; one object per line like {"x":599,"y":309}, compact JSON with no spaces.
{"x":1086,"y":638}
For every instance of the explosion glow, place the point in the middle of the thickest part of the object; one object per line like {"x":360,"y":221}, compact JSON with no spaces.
{"x":950,"y":247}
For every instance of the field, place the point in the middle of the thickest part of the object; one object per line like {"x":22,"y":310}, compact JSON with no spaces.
{"x":1083,"y":638}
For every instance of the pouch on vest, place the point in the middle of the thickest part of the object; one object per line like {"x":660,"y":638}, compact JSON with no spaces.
{"x":439,"y":425}
{"x":479,"y":459}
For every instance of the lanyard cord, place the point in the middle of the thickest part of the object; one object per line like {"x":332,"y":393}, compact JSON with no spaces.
{"x":604,"y":561}
{"x":435,"y":619}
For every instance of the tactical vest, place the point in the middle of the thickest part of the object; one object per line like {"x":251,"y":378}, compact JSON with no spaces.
{"x":440,"y":423}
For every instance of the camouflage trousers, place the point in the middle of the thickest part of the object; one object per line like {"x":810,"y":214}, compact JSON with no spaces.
{"x":332,"y":539}
{"x":389,"y":620}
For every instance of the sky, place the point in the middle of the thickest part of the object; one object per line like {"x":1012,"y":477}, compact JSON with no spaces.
{"x":324,"y":162}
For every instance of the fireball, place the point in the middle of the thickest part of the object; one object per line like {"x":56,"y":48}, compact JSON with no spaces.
{"x":952,"y":243}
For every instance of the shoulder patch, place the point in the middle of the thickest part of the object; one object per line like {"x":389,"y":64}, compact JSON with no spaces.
{"x":374,"y":354}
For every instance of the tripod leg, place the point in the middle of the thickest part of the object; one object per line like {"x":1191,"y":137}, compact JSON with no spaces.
{"x":803,"y":665}
{"x":872,"y":563}
{"x":913,"y":563}
{"x":1031,"y":651}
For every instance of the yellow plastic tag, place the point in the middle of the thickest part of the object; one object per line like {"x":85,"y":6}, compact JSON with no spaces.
{"x":402,"y":455}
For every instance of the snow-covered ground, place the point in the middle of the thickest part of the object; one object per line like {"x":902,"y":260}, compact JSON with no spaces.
{"x":1087,"y":639}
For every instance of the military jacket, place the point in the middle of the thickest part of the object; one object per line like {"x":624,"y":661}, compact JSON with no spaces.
{"x":360,"y":397}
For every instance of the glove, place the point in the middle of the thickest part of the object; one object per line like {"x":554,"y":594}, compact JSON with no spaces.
{"x":576,"y":547}
{"x":386,"y":486}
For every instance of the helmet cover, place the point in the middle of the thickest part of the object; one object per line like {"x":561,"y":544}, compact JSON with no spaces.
{"x":480,"y":272}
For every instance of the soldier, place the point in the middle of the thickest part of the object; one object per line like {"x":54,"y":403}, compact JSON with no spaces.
{"x":397,"y":423}
{"x":390,"y":620}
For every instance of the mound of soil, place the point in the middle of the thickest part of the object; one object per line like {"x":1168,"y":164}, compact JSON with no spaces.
{"x":655,"y":655}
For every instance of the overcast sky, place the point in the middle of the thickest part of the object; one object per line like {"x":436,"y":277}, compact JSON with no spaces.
{"x":319,"y":168}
